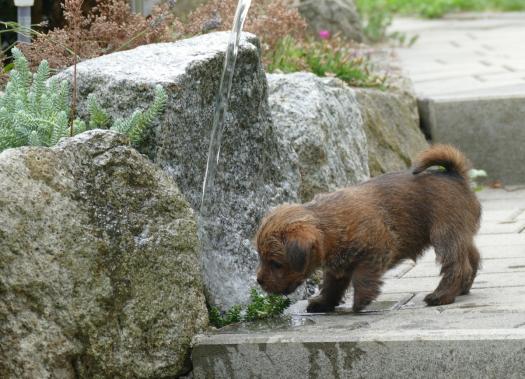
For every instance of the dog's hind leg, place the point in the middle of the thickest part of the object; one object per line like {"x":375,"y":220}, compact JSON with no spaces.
{"x":474,"y":260}
{"x":456,"y":270}
{"x":332,"y":291}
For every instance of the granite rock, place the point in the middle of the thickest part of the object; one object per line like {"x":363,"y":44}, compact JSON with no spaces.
{"x":99,"y":263}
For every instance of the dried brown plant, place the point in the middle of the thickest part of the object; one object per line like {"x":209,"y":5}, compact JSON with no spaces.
{"x":270,"y":20}
{"x":3,"y":76}
{"x":107,"y":27}
{"x":74,"y":14}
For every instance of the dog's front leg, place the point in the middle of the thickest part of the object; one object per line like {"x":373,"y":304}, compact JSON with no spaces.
{"x":367,"y":284}
{"x":333,"y":289}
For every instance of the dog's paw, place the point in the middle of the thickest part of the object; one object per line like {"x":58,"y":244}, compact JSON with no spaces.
{"x":358,"y":307}
{"x":432,"y":299}
{"x":317,"y":306}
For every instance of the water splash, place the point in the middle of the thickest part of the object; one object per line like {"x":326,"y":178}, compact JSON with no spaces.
{"x":221,"y":104}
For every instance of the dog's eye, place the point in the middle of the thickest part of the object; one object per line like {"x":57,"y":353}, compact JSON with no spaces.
{"x":275,"y":265}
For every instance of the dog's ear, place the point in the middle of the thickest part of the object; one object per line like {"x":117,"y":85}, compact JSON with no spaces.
{"x":298,"y":253}
{"x":300,"y":244}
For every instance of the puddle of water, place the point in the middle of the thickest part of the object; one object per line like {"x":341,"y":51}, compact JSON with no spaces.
{"x":288,"y":323}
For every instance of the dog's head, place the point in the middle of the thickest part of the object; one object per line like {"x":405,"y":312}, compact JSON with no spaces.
{"x":288,"y":242}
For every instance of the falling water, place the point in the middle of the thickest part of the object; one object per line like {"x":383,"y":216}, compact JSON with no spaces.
{"x":221,"y":104}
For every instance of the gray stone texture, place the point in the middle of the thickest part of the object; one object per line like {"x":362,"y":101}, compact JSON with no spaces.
{"x":336,"y":16}
{"x":320,"y":119}
{"x":373,"y":357}
{"x":99,"y":263}
{"x":391,"y":123}
{"x":255,"y":170}
{"x":490,"y":131}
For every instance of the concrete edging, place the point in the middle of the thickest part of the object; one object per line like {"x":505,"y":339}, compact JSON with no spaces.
{"x":380,"y":354}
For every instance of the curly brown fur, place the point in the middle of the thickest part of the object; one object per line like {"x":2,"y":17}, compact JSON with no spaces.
{"x":357,"y":233}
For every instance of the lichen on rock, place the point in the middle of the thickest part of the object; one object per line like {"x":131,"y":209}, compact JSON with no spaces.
{"x":391,"y":123}
{"x":99,"y":263}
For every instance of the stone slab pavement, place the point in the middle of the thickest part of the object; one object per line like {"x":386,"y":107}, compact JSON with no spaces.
{"x":467,"y":55}
{"x":481,"y":335}
{"x":468,"y":73}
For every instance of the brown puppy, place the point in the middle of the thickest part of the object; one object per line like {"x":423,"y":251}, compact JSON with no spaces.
{"x":357,"y":233}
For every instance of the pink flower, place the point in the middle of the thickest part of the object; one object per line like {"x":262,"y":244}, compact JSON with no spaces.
{"x":324,"y":34}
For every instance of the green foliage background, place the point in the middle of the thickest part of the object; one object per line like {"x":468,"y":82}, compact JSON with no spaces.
{"x":436,"y":8}
{"x":324,"y":58}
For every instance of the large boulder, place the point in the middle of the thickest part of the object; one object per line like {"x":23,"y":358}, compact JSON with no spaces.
{"x":254,"y":169}
{"x":325,"y":121}
{"x":320,"y":119}
{"x":391,"y":122}
{"x":336,"y":16}
{"x":99,"y":264}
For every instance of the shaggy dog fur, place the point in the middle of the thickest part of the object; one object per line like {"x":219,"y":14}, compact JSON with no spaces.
{"x":357,"y":233}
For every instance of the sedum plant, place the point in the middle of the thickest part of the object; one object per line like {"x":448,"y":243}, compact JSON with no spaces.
{"x":261,"y":307}
{"x":36,"y":114}
{"x":220,"y":319}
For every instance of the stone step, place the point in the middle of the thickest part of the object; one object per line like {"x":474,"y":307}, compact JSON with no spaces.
{"x":469,"y":77}
{"x":475,"y":337}
{"x":433,"y":353}
{"x":488,"y":129}
{"x":481,"y":335}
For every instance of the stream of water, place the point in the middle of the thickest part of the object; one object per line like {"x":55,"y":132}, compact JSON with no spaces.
{"x":221,"y":104}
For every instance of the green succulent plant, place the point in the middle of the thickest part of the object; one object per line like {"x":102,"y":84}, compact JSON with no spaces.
{"x":261,"y":307}
{"x":36,"y":113}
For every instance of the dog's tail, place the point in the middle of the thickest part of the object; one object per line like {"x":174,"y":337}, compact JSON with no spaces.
{"x":443,"y":155}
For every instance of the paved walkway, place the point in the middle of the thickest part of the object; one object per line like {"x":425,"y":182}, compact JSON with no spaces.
{"x":469,"y":55}
{"x":481,"y":335}
{"x":469,"y":76}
